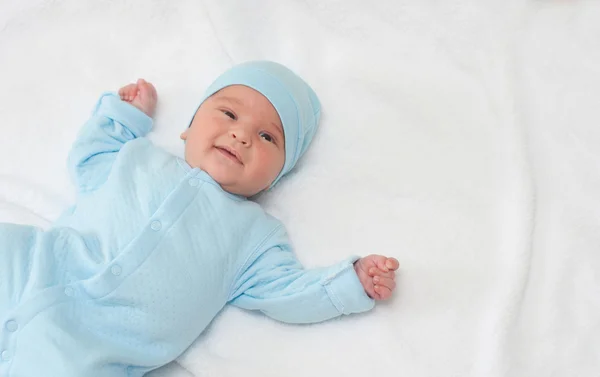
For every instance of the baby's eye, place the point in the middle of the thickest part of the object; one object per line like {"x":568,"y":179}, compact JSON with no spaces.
{"x":229,"y":114}
{"x":266,"y":136}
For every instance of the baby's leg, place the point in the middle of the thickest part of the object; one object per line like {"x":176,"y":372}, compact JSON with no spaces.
{"x":16,"y":246}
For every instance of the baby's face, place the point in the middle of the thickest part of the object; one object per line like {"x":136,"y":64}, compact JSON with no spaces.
{"x":237,"y":137}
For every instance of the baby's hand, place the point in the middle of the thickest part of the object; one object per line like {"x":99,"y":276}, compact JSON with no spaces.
{"x":142,"y":95}
{"x":376,"y":273}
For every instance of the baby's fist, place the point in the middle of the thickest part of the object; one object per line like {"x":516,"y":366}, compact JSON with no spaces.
{"x":142,"y":95}
{"x":377,"y":276}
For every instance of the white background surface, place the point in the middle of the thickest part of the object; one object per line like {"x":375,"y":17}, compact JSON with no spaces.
{"x":460,"y":137}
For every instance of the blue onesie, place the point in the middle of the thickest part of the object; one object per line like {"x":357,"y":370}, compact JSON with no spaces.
{"x":153,"y":249}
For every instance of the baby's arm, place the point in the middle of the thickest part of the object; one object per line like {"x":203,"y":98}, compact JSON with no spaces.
{"x":277,"y":285}
{"x":114,"y":122}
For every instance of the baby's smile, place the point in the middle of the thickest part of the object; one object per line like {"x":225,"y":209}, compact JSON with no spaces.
{"x":230,"y":153}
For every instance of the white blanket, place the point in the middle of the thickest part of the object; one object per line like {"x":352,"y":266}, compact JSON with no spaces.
{"x":460,"y":137}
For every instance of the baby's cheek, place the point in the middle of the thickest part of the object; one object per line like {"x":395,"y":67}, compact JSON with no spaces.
{"x":270,"y":166}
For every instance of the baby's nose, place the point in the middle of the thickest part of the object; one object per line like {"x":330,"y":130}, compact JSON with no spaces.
{"x":241,"y":136}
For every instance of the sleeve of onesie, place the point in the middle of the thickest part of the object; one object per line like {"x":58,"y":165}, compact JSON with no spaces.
{"x":277,"y":285}
{"x":112,"y":124}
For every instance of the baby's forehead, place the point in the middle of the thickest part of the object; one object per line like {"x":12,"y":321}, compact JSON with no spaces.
{"x":243,"y":95}
{"x":238,"y":92}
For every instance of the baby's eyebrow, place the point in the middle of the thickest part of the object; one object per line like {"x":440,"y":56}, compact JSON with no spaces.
{"x":232,"y":99}
{"x":279,"y":129}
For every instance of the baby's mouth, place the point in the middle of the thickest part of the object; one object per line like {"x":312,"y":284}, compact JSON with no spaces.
{"x":230,"y":153}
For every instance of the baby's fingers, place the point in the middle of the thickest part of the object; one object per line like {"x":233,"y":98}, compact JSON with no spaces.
{"x":385,"y":282}
{"x":392,"y":264}
{"x":374,"y":271}
{"x":147,"y":89}
{"x":387,"y":264}
{"x":128,"y":92}
{"x":383,"y":292}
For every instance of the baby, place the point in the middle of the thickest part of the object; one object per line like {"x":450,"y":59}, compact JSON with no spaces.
{"x":156,"y":246}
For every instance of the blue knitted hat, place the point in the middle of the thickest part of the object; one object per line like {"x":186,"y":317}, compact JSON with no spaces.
{"x":293,"y":99}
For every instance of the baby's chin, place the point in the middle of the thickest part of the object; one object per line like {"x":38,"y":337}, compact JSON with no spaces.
{"x":237,"y":188}
{"x":230,"y":180}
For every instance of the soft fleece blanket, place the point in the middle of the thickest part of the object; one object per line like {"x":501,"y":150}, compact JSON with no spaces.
{"x":460,"y":137}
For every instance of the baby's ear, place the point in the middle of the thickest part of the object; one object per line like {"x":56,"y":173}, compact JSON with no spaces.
{"x":184,"y":134}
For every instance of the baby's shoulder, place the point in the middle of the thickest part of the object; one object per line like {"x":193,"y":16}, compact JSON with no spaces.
{"x":143,"y":150}
{"x":139,"y":145}
{"x":142,"y":161}
{"x":255,"y":213}
{"x":269,"y":225}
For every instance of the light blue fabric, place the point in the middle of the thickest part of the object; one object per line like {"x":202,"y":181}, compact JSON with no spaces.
{"x":296,"y":102}
{"x":153,"y":249}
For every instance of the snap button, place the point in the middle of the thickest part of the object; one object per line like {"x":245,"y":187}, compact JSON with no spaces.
{"x":69,"y":291}
{"x":116,"y":270}
{"x":193,"y":182}
{"x":11,"y":326}
{"x":5,"y":355}
{"x":156,"y":225}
